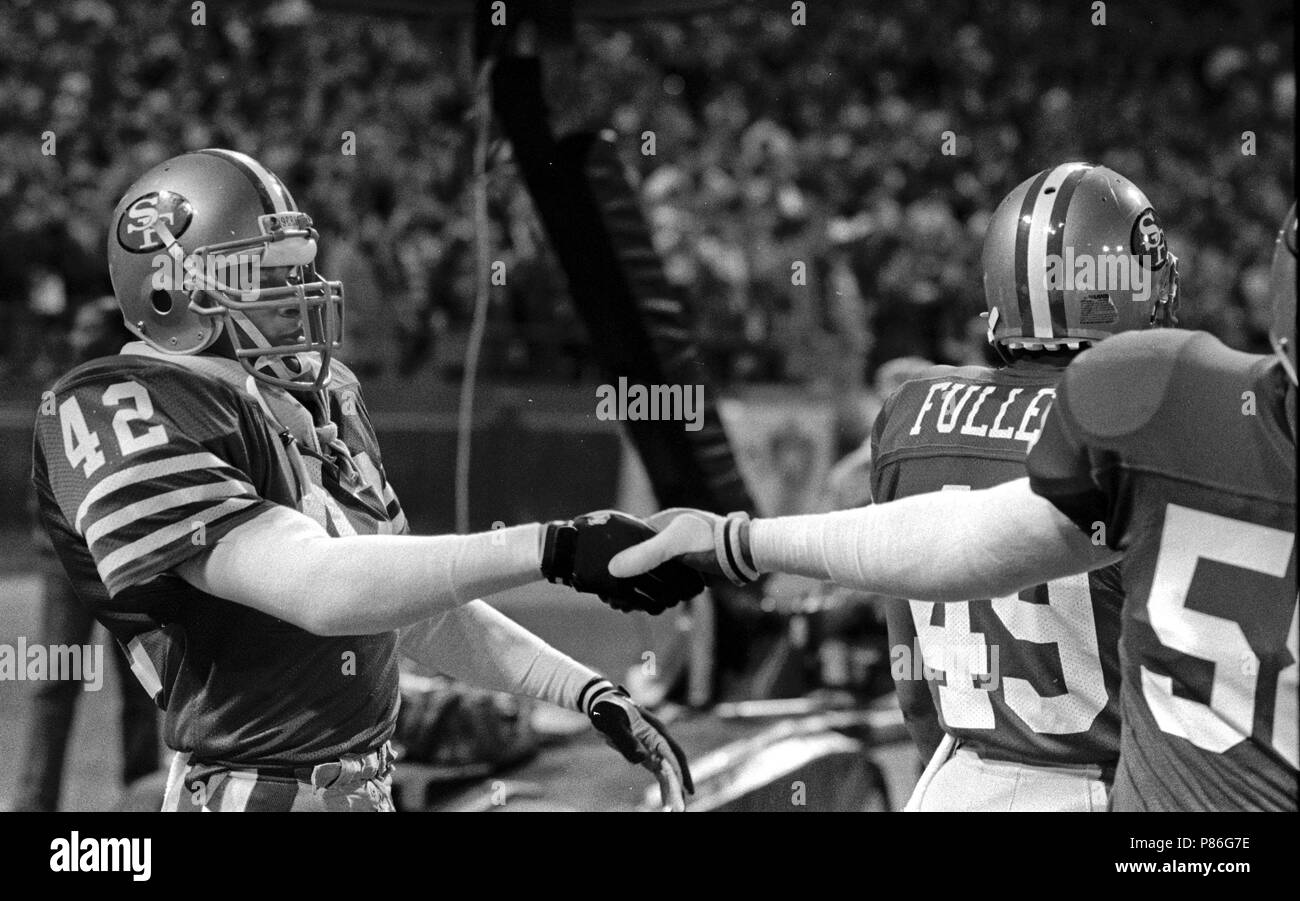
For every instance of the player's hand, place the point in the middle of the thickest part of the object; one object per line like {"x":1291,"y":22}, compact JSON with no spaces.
{"x":718,"y":545}
{"x":641,"y":738}
{"x":578,"y":552}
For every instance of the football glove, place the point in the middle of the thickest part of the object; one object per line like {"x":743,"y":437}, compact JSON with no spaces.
{"x":578,"y":552}
{"x":718,"y":545}
{"x":640,"y":738}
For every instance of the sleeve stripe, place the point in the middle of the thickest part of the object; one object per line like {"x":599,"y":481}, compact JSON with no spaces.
{"x":153,"y":541}
{"x":143,"y":668}
{"x":165,"y":501}
{"x":144,"y":471}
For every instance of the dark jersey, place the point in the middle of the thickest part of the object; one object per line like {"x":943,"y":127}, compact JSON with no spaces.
{"x":1031,"y":678}
{"x":141,"y":463}
{"x":1180,"y":450}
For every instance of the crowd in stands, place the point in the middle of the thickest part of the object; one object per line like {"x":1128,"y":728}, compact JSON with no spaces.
{"x":775,"y":144}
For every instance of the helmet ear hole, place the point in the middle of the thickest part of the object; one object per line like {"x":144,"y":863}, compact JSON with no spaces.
{"x":161,"y":301}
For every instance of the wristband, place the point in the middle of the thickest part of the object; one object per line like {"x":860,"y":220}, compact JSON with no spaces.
{"x":594,"y":689}
{"x":731,"y":546}
{"x":558,"y":551}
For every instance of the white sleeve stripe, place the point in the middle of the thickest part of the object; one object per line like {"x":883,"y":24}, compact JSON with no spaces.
{"x":166,"y":535}
{"x":143,"y":668}
{"x":105,"y":525}
{"x":145,"y":471}
{"x":370,"y":473}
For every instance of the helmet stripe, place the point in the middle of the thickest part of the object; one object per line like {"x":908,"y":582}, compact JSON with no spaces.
{"x":270,"y":190}
{"x":1039,"y":227}
{"x":1056,"y":242}
{"x":1023,"y":222}
{"x":283,"y":191}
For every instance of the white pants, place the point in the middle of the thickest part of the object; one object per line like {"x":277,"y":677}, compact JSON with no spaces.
{"x":959,"y":779}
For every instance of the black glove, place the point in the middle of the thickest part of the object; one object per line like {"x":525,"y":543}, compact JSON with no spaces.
{"x":640,"y":738}
{"x":578,"y":552}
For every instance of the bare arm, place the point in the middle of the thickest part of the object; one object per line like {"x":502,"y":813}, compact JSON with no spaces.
{"x":944,"y":546}
{"x":284,"y":564}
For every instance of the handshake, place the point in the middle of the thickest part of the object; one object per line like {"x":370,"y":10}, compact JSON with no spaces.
{"x":647,"y":564}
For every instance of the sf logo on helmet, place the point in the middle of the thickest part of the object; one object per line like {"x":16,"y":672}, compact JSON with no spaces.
{"x":137,"y":229}
{"x":1148,"y":240}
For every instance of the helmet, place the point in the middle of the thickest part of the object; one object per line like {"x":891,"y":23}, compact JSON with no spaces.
{"x":1073,"y":255}
{"x":1281,"y":288}
{"x":185,"y":252}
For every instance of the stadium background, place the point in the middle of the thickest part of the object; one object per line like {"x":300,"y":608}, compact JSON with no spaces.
{"x":773,"y":144}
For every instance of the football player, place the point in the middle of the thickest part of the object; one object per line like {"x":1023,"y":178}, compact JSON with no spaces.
{"x":1015,"y":700}
{"x":1165,"y":449}
{"x":216,"y":494}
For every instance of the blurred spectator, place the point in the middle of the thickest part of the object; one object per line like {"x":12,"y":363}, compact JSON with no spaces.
{"x":775,"y":145}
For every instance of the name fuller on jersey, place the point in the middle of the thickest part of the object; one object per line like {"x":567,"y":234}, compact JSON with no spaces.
{"x":983,"y":420}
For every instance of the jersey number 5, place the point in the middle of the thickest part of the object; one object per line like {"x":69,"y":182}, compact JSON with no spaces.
{"x":1227,"y":716}
{"x":81,"y":445}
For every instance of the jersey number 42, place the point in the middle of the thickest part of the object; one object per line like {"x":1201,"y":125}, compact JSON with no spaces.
{"x":81,"y":445}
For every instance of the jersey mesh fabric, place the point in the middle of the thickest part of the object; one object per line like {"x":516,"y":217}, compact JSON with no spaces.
{"x":1029,"y":679}
{"x":1181,"y":448}
{"x":141,"y":463}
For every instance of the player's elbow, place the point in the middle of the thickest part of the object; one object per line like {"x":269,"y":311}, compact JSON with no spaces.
{"x":317,"y":622}
{"x":307,"y":610}
{"x":309,"y":597}
{"x":337,"y":611}
{"x":321,"y":592}
{"x":965,"y":584}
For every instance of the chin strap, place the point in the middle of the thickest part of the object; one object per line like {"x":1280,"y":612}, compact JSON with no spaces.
{"x":1164,"y":312}
{"x":300,"y":369}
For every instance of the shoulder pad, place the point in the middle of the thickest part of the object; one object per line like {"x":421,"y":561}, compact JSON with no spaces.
{"x":942,"y":371}
{"x":341,"y":376}
{"x":144,"y":369}
{"x":1114,"y":387}
{"x":972,"y":372}
{"x":919,"y":387}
